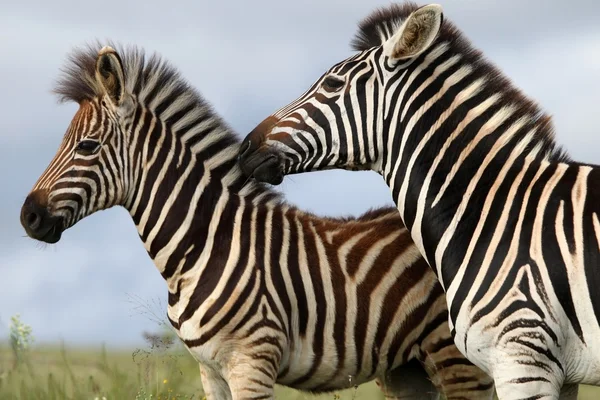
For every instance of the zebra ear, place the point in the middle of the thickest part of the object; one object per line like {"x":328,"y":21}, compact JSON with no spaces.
{"x":110,"y":74}
{"x":416,"y":34}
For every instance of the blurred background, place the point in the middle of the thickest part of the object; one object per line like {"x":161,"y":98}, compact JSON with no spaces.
{"x":247,"y":59}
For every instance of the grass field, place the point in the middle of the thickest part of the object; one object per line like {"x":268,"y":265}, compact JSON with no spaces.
{"x":59,"y":373}
{"x":54,"y":373}
{"x":162,"y":369}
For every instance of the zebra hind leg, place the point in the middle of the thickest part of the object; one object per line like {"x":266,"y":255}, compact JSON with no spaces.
{"x":408,"y":382}
{"x":529,"y":380}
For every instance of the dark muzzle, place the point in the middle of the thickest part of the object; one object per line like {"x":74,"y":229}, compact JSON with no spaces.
{"x":261,"y":164}
{"x":37,"y":221}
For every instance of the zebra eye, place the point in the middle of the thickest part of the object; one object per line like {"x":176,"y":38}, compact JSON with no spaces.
{"x":87,"y":147}
{"x":332,"y":83}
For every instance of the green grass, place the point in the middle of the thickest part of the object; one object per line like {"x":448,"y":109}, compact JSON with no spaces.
{"x":151,"y":373}
{"x":75,"y":373}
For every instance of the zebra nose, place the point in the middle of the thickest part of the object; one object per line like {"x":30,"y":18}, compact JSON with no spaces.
{"x":32,"y":214}
{"x":255,"y":139}
{"x":37,"y":220}
{"x":33,"y":219}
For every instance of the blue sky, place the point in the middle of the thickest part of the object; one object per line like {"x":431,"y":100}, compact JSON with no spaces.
{"x":247,"y":59}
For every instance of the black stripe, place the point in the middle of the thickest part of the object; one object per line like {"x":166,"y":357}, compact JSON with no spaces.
{"x":590,"y":242}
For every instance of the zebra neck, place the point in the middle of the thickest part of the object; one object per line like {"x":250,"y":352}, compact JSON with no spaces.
{"x":446,"y":148}
{"x":185,"y":195}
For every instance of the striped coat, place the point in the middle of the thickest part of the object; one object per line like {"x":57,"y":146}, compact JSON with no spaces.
{"x":258,"y":290}
{"x":506,"y":220}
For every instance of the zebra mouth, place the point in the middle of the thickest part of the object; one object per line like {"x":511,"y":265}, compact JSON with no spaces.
{"x":263,"y":166}
{"x":54,"y":234}
{"x":51,"y":234}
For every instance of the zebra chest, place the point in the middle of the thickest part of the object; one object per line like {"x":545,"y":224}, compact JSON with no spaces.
{"x":216,"y":335}
{"x":204,"y":346}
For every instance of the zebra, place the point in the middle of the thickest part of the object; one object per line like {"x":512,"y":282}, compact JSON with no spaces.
{"x":508,"y":222}
{"x":258,"y":290}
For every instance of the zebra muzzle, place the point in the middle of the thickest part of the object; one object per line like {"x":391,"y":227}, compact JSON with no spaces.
{"x":263,"y":166}
{"x":39,"y":224}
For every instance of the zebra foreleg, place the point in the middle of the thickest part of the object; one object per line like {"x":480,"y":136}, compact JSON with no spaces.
{"x":214,"y":385}
{"x":453,"y":375}
{"x":252,"y":378}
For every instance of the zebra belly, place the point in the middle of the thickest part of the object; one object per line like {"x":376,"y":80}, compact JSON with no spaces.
{"x":390,"y":339}
{"x":297,"y":367}
{"x":298,"y":370}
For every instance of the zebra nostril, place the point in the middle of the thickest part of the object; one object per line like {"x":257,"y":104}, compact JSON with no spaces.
{"x":33,"y":220}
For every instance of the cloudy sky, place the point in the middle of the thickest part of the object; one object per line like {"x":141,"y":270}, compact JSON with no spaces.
{"x":247,"y":60}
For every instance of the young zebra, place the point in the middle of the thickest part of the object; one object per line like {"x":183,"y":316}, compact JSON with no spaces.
{"x":508,"y":223}
{"x":259,"y":291}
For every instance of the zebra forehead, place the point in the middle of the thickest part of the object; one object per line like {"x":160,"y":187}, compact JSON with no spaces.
{"x":380,"y":25}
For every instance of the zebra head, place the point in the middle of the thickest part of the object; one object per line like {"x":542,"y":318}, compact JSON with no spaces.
{"x":338,"y":122}
{"x":88,"y":172}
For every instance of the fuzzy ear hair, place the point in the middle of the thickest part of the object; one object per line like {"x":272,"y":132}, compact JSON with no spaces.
{"x":416,"y":34}
{"x":110,"y":74}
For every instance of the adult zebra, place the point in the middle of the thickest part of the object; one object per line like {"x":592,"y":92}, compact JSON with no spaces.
{"x":258,"y":290}
{"x":506,"y":220}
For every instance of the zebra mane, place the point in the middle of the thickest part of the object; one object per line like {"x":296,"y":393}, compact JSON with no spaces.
{"x":77,"y":81}
{"x":372,"y":214}
{"x":142,"y":72}
{"x":381,"y":25}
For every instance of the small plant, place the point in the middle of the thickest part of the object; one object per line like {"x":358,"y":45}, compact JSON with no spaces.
{"x":21,"y":339}
{"x":159,"y":363}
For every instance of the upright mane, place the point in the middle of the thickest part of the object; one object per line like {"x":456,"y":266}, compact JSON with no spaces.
{"x":382,"y":23}
{"x":144,"y":77}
